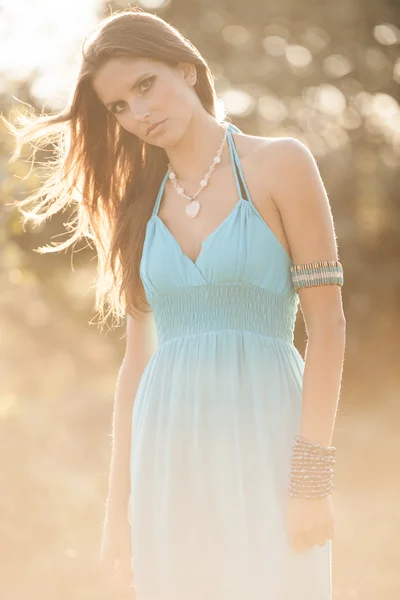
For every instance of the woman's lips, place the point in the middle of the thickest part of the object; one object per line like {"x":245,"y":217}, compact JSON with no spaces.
{"x":156,"y":128}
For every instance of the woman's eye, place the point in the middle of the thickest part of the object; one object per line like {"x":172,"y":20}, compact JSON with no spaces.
{"x":149,"y":80}
{"x":115,"y":108}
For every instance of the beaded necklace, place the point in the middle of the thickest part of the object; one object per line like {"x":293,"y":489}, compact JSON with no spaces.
{"x":192,"y":209}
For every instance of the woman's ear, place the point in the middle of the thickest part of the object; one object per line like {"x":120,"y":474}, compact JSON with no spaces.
{"x":189,"y":72}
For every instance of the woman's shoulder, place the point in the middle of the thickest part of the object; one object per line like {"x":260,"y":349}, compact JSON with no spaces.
{"x":274,"y":153}
{"x":248,"y":144}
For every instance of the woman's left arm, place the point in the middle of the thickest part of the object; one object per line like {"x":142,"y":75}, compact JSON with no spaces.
{"x":301,"y":198}
{"x":302,"y":201}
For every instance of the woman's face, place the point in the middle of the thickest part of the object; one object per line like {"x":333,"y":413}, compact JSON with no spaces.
{"x":142,"y":92}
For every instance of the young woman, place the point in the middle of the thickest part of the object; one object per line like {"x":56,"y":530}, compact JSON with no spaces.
{"x":222,"y":434}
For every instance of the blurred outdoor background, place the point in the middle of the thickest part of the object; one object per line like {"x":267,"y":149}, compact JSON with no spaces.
{"x":326,"y":73}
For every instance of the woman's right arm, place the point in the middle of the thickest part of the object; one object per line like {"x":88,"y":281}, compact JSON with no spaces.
{"x":140,"y":346}
{"x":115,"y":551}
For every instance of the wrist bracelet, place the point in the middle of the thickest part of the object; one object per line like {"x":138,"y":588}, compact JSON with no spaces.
{"x":312,"y":471}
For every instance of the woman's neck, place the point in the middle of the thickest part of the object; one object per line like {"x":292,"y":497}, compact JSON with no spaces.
{"x":192,"y":155}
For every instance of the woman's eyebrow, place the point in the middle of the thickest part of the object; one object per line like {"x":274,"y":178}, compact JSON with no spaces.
{"x":135,"y":84}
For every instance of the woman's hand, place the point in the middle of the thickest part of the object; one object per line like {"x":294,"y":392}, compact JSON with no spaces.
{"x":115,"y":554}
{"x":310,"y":522}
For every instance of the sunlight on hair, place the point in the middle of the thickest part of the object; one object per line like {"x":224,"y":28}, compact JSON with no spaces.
{"x":43,"y":40}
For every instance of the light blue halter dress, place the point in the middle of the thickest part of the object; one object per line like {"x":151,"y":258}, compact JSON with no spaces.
{"x":215,"y":416}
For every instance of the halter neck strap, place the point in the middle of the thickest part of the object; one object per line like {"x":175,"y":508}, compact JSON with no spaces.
{"x":236,"y":165}
{"x":159,"y":195}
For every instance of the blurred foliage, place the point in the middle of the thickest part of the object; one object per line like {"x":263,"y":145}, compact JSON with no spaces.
{"x":327,"y":73}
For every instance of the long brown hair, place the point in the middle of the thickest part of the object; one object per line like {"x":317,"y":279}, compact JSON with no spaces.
{"x":110,"y":176}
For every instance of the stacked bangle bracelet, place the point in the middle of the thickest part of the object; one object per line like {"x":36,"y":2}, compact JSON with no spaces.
{"x":311,"y":475}
{"x":323,"y":272}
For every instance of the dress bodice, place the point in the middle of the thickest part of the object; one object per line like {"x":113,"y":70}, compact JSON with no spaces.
{"x":241,"y":278}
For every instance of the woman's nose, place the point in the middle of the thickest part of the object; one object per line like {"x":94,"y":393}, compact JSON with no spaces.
{"x":139,"y":111}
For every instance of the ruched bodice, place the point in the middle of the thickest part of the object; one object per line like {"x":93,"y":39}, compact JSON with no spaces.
{"x":215,"y":415}
{"x":231,"y":305}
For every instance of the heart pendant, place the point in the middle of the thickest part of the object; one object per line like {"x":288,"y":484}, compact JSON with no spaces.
{"x":192,"y":208}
